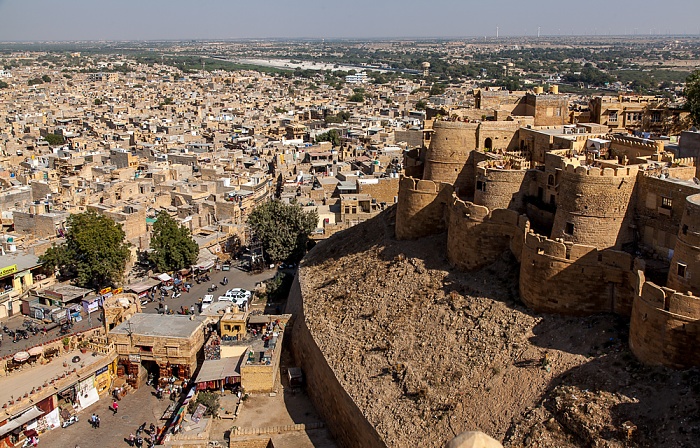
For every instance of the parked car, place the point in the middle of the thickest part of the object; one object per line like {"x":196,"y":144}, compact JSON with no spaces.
{"x":238,"y":292}
{"x":208,"y":299}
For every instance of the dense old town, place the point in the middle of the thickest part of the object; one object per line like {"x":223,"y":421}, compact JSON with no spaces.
{"x":479,"y":251}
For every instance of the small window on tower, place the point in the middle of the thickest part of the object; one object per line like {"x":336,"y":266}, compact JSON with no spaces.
{"x":569,"y":228}
{"x":666,"y":203}
{"x":681,"y":269}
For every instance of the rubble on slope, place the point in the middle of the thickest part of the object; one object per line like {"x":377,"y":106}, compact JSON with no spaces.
{"x":428,"y":352}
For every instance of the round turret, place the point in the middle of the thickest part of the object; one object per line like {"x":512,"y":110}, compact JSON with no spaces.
{"x":594,"y":206}
{"x":684,"y":273}
{"x":450,"y":146}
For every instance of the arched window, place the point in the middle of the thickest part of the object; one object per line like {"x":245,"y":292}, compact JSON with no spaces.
{"x":550,"y":180}
{"x":488,"y":144}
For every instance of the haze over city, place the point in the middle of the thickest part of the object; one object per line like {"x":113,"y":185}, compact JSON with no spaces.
{"x":33,"y":20}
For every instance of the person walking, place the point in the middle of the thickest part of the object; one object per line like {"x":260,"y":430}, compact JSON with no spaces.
{"x":115,"y":407}
{"x":132,"y":438}
{"x":93,"y":421}
{"x":97,"y":421}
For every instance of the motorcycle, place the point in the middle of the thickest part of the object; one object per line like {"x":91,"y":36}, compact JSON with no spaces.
{"x":212,"y":288}
{"x":70,"y":421}
{"x":176,"y":294}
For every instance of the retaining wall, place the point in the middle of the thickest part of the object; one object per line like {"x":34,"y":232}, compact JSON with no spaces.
{"x":344,"y":419}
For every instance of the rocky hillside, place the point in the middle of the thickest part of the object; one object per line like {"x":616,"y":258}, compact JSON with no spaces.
{"x":427,"y":352}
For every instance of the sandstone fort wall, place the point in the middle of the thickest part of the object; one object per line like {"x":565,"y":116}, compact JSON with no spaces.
{"x":594,"y":206}
{"x":476,"y":236}
{"x":665,"y":327}
{"x":421,"y":208}
{"x":500,"y":188}
{"x":575,"y":279}
{"x":344,"y":419}
{"x":684,"y":273}
{"x":447,"y":156}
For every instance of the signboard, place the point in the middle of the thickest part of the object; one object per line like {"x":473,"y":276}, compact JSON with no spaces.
{"x":134,"y":358}
{"x":118,"y":291}
{"x":105,"y":290}
{"x":102,"y":370}
{"x":198,"y":413}
{"x":7,"y":270}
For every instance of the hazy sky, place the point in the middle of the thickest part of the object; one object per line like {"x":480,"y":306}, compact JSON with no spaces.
{"x":232,"y":19}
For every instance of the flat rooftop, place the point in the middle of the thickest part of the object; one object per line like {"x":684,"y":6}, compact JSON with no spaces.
{"x":170,"y":326}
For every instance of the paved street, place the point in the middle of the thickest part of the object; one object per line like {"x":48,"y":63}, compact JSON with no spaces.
{"x":236,"y":279}
{"x":134,"y":409}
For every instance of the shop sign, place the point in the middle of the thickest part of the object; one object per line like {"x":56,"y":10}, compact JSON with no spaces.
{"x":105,"y":290}
{"x":134,"y":358}
{"x":118,"y":291}
{"x":7,"y":270}
{"x":102,"y":370}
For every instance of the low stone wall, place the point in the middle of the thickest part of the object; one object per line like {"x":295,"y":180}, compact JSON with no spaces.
{"x":665,"y":327}
{"x":344,"y":419}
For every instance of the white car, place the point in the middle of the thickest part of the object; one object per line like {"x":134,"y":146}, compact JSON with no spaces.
{"x":238,"y":292}
{"x":208,"y":299}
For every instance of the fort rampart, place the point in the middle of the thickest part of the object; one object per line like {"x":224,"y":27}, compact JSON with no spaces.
{"x":595,"y":205}
{"x":448,"y":154}
{"x":665,"y":327}
{"x":345,"y":420}
{"x":567,"y":278}
{"x":476,"y":236}
{"x":421,"y":208}
{"x":499,"y":187}
{"x":684,"y":274}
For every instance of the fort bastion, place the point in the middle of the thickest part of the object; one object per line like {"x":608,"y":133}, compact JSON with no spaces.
{"x":584,"y":225}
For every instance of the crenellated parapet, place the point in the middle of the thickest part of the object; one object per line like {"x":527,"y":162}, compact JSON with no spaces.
{"x":665,"y":327}
{"x":595,"y":205}
{"x":502,"y":183}
{"x":421,"y":208}
{"x":477,"y":236}
{"x":450,"y":147}
{"x":567,"y":278}
{"x":641,"y":146}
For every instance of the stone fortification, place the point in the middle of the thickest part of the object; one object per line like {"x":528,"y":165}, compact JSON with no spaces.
{"x":499,"y":186}
{"x":476,"y":236}
{"x":421,"y":207}
{"x":665,"y":327}
{"x":567,"y":278}
{"x":684,"y":274}
{"x":634,"y":147}
{"x":448,"y":154}
{"x":595,"y":205}
{"x":345,"y":420}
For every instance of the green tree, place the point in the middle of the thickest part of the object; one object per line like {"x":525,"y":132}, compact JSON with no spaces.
{"x":692,"y":96}
{"x":173,"y":247}
{"x":97,"y":102}
{"x":94,"y":252}
{"x":54,"y":139}
{"x":356,"y":97}
{"x":283,"y":229}
{"x":331,"y":136}
{"x":421,"y":104}
{"x":34,"y":81}
{"x":210,"y":400}
{"x":46,"y":78}
{"x":4,"y":85}
{"x":437,"y":89}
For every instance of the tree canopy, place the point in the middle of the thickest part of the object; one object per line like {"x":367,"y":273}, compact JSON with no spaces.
{"x":331,"y":136}
{"x":94,"y":252}
{"x":172,"y":245}
{"x":283,"y":229}
{"x":54,"y":139}
{"x":692,"y":96}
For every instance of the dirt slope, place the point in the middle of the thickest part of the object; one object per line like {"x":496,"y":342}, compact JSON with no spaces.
{"x":427,"y":352}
